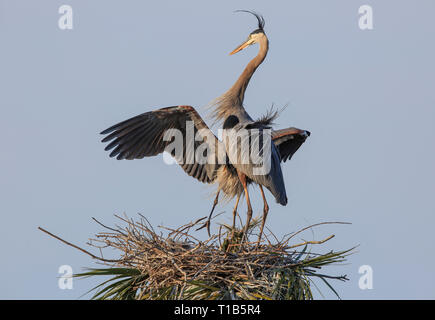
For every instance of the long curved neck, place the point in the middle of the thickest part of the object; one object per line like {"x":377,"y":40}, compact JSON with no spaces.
{"x":239,"y":88}
{"x":231,"y":102}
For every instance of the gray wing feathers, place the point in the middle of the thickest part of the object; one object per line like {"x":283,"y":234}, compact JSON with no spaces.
{"x":288,"y":141}
{"x":142,"y":136}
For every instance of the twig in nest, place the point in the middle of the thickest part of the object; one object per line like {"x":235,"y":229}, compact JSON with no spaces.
{"x":312,"y":242}
{"x":83,"y":250}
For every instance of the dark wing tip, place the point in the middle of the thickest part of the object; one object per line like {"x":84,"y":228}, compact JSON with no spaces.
{"x":108,"y":130}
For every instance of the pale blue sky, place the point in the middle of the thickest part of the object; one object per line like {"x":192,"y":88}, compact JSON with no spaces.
{"x":367,"y":97}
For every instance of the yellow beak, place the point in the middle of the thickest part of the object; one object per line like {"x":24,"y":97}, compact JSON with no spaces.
{"x":241,"y":47}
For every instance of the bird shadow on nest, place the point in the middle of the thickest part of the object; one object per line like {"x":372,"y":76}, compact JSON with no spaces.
{"x":168,"y":263}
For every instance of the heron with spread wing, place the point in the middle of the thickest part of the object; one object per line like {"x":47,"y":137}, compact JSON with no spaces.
{"x":144,"y":136}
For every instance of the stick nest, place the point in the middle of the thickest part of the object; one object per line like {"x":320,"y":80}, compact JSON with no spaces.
{"x":174,"y":264}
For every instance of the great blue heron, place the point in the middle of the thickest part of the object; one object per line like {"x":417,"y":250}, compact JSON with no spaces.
{"x":144,"y":136}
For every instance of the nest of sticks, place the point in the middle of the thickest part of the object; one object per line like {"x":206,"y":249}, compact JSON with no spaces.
{"x":174,"y":264}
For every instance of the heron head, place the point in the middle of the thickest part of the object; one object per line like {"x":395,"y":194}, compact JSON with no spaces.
{"x":255,"y":36}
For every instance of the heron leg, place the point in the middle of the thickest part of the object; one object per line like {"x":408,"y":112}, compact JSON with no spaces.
{"x":235,"y":211}
{"x":207,"y":224}
{"x":234,"y":216}
{"x":242,"y":178}
{"x":265,"y":211}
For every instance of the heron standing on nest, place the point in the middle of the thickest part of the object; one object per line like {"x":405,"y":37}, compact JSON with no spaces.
{"x":144,"y":136}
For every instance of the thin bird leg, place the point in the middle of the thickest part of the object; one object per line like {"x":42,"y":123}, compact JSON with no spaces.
{"x":207,"y":224}
{"x":265,"y":211}
{"x":242,"y":178}
{"x":235,"y":211}
{"x":234,"y":216}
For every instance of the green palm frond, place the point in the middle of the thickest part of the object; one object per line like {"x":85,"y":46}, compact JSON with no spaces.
{"x":122,"y":286}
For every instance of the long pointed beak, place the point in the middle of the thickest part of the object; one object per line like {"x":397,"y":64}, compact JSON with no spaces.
{"x":241,"y":47}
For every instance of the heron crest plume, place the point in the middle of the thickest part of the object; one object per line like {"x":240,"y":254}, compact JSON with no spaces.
{"x":259,"y":17}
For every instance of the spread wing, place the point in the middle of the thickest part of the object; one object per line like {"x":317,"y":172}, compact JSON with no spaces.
{"x":147,"y":135}
{"x":288,"y":141}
